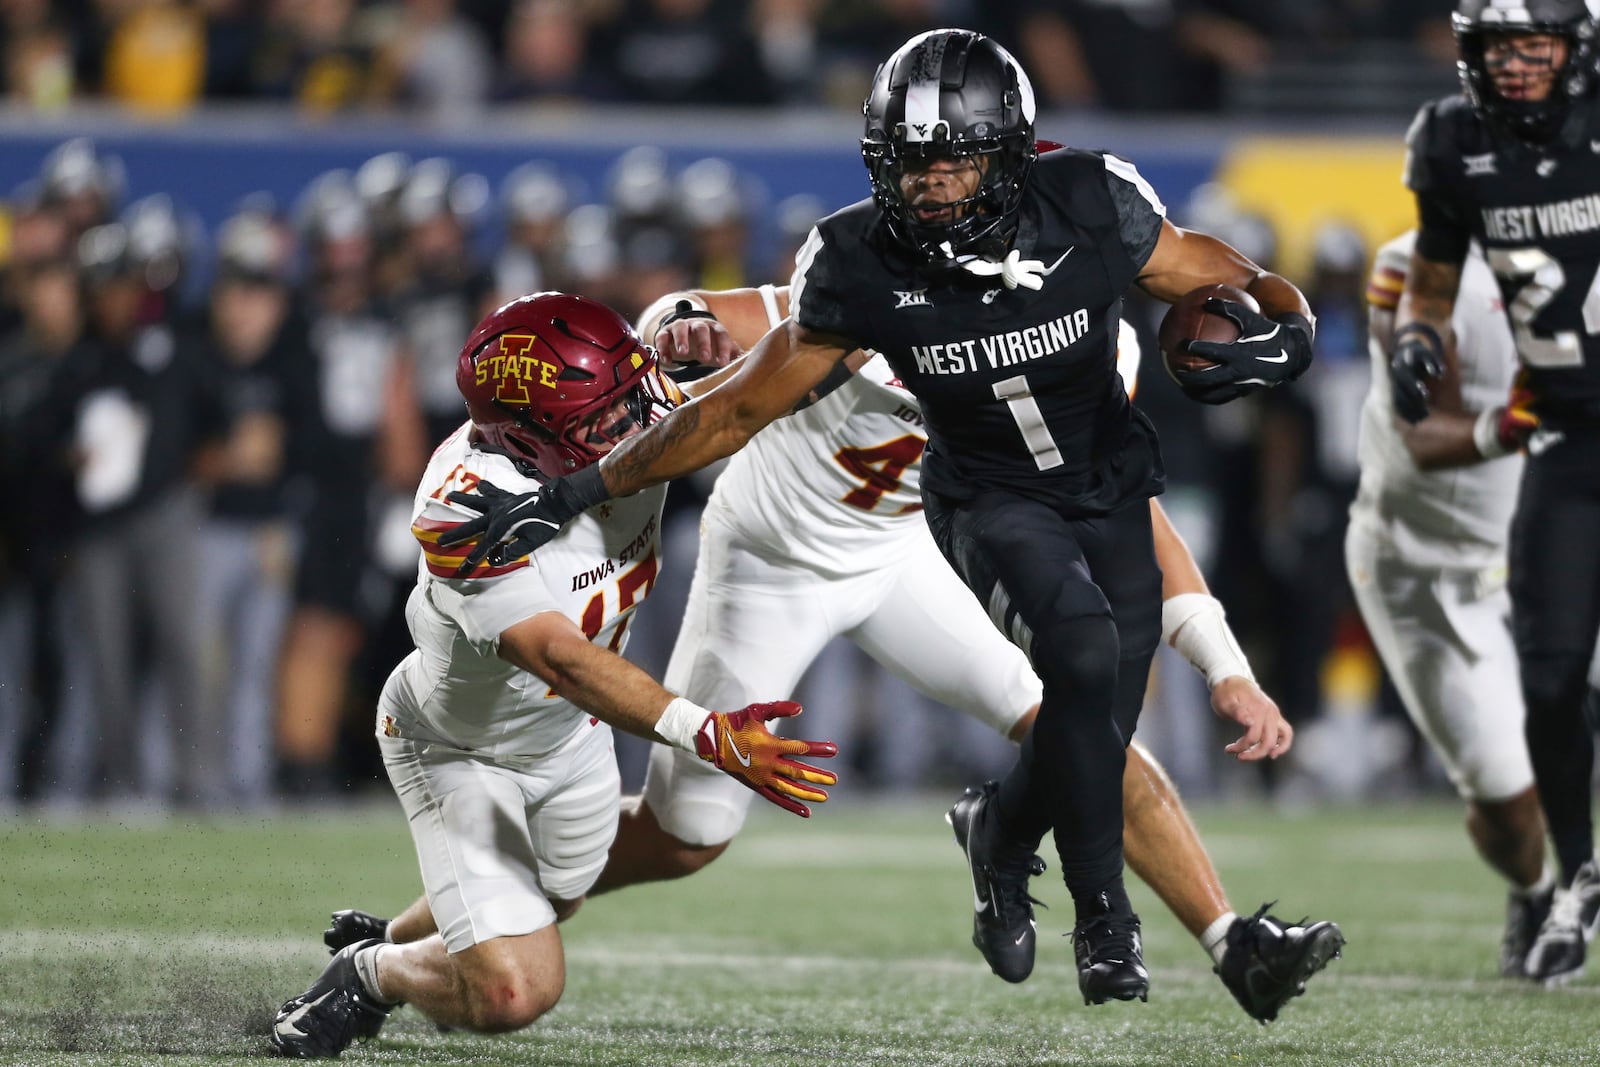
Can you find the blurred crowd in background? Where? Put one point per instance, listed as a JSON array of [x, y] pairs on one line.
[[449, 57], [206, 549]]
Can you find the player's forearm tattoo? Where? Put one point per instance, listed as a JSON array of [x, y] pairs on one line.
[[628, 469], [1432, 288]]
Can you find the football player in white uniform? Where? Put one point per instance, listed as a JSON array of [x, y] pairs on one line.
[[814, 528], [1426, 553], [495, 730]]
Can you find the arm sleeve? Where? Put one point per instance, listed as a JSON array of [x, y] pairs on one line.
[[1139, 210]]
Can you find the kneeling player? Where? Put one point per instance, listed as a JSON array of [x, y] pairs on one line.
[[496, 730]]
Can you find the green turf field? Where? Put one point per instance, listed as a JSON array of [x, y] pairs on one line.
[[841, 941]]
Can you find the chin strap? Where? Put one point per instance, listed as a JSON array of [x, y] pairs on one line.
[[1013, 270]]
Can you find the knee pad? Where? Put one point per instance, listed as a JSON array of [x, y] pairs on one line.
[[1553, 681], [1079, 656]]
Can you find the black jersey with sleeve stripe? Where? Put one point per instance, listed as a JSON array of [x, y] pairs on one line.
[[1535, 210], [1019, 387]]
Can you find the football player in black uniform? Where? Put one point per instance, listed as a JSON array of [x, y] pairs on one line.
[[992, 279], [1514, 163]]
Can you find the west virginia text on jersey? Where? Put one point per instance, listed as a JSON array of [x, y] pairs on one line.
[[1005, 349]]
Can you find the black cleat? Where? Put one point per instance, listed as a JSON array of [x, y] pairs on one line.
[[322, 1022], [1558, 953], [1525, 914], [1110, 958], [349, 926], [1002, 921], [1268, 961]]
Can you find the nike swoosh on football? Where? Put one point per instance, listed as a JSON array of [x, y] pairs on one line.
[[1281, 357], [289, 1025]]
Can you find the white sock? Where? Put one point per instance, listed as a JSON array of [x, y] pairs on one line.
[[388, 932], [1215, 938], [366, 962]]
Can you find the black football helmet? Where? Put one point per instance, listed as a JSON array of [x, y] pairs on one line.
[[950, 93], [1536, 122]]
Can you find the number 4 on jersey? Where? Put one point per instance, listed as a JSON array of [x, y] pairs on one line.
[[880, 468]]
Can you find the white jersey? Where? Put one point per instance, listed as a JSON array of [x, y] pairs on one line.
[[827, 486], [1447, 518], [453, 687]]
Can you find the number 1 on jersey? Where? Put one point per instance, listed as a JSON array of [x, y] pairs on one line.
[[1030, 420]]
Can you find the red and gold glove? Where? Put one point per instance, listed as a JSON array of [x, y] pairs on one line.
[[740, 745], [1517, 420]]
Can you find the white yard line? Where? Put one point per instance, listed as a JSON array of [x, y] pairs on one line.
[[22, 944]]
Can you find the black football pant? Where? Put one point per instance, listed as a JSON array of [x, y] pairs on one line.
[[1555, 610], [1082, 597]]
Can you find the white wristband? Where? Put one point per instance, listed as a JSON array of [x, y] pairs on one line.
[[1195, 625], [1486, 434], [680, 720]]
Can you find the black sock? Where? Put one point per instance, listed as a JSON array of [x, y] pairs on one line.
[[1109, 899], [1573, 849]]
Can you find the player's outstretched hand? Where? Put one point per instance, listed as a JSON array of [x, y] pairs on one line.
[[740, 744], [689, 338], [1267, 735], [511, 525], [1266, 352], [508, 526]]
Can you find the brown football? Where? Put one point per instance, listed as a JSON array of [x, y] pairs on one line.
[[1187, 320]]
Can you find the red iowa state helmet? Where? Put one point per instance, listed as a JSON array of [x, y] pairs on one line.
[[537, 374]]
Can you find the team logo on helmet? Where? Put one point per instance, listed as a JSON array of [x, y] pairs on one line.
[[555, 381]]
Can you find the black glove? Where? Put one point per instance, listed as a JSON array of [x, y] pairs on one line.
[[1267, 352], [509, 526], [1418, 359]]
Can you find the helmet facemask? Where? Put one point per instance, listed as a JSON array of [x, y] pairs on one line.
[[595, 433], [975, 219]]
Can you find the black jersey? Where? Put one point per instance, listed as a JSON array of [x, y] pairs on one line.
[[1019, 387], [1536, 212]]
